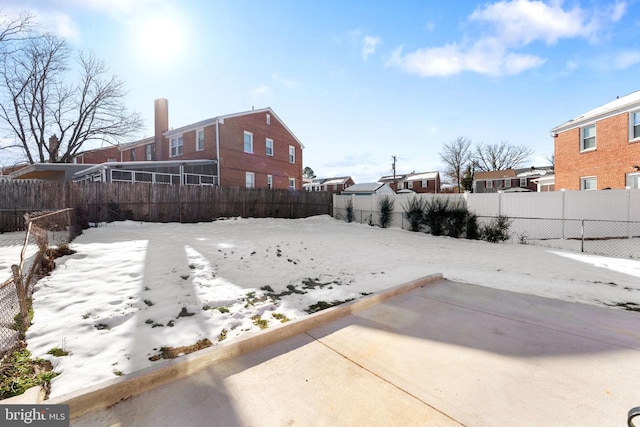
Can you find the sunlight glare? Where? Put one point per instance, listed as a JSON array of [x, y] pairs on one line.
[[161, 38]]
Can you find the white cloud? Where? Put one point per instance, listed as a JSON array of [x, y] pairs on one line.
[[520, 22], [288, 83], [369, 44], [626, 59], [507, 26], [259, 95]]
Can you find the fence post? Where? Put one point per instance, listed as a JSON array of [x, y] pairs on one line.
[[582, 235], [564, 216], [22, 298]]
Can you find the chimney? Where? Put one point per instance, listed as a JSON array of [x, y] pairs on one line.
[[161, 125], [54, 145]]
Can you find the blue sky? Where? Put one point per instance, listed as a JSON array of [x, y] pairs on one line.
[[359, 81]]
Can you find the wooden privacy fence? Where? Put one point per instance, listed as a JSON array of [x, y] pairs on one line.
[[98, 202]]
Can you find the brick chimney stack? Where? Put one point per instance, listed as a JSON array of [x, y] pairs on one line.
[[54, 145], [161, 125]]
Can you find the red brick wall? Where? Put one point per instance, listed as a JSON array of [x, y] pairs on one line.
[[235, 163], [612, 159], [100, 156]]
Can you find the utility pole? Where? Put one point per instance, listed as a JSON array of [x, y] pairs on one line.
[[393, 166]]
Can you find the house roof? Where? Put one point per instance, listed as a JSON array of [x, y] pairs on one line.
[[421, 176], [335, 181], [391, 178], [141, 165], [221, 119], [507, 173], [534, 171], [612, 108], [366, 188], [413, 176], [50, 171]]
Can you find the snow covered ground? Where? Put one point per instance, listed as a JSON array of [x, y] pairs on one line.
[[135, 288]]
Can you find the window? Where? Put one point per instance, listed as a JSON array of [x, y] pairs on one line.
[[588, 183], [269, 182], [424, 183], [292, 154], [292, 184], [507, 183], [634, 125], [269, 144], [148, 152], [588, 138], [200, 140], [268, 118], [248, 142], [633, 180], [133, 154], [523, 182], [250, 179], [400, 185], [409, 184], [176, 146], [489, 184]]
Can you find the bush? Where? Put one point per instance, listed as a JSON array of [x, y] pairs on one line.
[[414, 213], [435, 217], [472, 227], [349, 207], [385, 206], [497, 230]]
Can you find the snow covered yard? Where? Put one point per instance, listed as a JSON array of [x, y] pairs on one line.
[[134, 289]]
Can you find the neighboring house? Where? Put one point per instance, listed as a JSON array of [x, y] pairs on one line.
[[368, 189], [511, 180], [600, 148], [331, 185], [248, 149], [421, 182]]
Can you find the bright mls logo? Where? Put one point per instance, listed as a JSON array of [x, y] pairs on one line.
[[34, 415]]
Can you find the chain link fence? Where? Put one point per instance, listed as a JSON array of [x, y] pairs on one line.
[[611, 238], [33, 259]]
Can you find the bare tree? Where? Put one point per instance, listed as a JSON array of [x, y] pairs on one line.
[[456, 155], [52, 120], [12, 29], [491, 157]]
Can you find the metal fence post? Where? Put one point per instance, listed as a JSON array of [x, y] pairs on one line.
[[582, 235], [22, 298]]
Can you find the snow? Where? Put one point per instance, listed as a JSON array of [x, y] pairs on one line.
[[133, 288]]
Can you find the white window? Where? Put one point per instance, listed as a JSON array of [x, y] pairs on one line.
[[489, 184], [200, 140], [176, 146], [523, 182], [588, 138], [424, 183], [148, 152], [292, 184], [633, 180], [410, 184], [248, 142], [250, 179], [268, 118], [292, 154], [588, 183], [400, 185], [634, 125], [269, 144], [270, 181], [507, 183], [133, 154]]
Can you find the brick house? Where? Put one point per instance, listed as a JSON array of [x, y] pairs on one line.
[[600, 148], [511, 180], [252, 149], [248, 149], [420, 182], [331, 185]]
